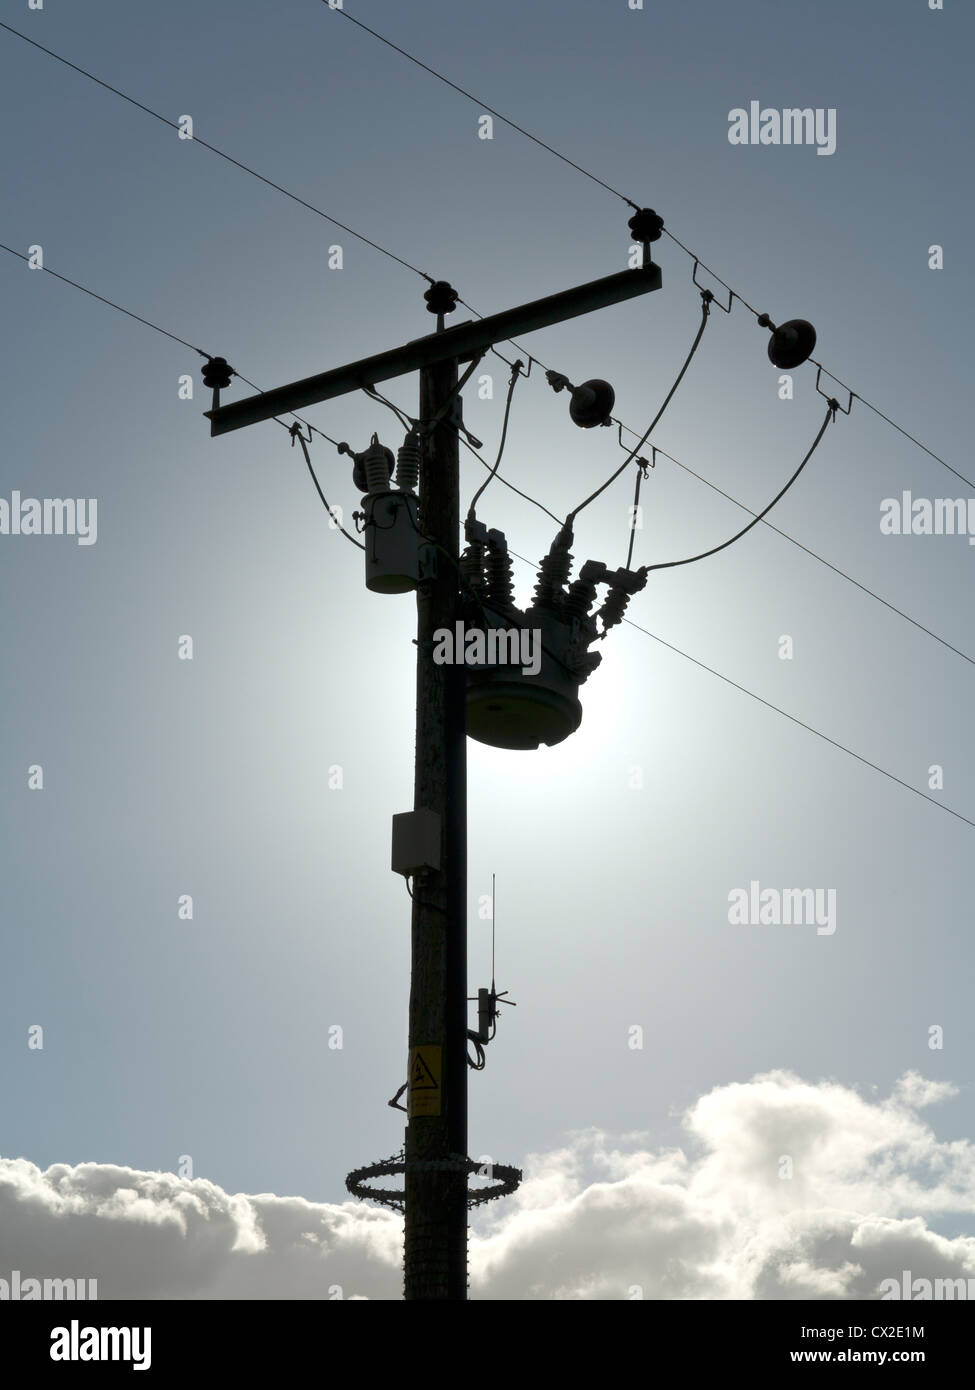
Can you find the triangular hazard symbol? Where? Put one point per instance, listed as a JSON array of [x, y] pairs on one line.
[[421, 1077]]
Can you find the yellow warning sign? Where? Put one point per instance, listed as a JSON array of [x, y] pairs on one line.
[[424, 1081]]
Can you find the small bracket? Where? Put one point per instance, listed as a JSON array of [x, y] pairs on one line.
[[726, 309], [646, 464], [526, 372], [833, 402]]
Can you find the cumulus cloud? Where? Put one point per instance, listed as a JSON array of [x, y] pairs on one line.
[[785, 1189]]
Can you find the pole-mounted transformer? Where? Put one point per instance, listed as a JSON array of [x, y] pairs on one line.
[[507, 705]]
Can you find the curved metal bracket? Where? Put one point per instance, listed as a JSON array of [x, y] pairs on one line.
[[832, 399], [704, 290]]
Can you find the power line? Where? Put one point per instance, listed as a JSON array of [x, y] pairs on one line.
[[291, 429], [405, 420], [785, 713], [470, 96], [814, 553], [515, 374], [714, 488], [173, 125], [111, 304], [671, 564], [295, 432], [721, 492], [308, 425], [501, 479], [423, 274], [175, 337], [728, 496], [510, 486], [705, 312], [795, 720], [616, 193], [893, 423]]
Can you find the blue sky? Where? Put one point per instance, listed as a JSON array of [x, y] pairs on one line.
[[209, 1038]]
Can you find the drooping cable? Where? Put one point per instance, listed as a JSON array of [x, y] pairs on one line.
[[404, 419], [515, 374], [511, 487], [705, 314], [534, 501], [401, 415], [630, 203], [641, 472], [894, 425], [415, 269], [672, 564], [412, 422], [871, 593], [295, 432]]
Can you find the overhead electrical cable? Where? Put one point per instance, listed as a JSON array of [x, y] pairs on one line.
[[803, 725], [295, 433], [470, 96], [785, 714], [705, 312], [500, 477], [515, 373], [727, 679], [672, 564], [441, 77], [197, 140], [183, 342], [111, 303], [813, 553], [423, 274]]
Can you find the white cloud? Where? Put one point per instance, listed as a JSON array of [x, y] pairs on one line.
[[594, 1219]]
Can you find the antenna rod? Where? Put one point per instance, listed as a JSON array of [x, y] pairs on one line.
[[492, 933]]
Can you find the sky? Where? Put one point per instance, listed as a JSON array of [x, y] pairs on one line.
[[186, 1063]]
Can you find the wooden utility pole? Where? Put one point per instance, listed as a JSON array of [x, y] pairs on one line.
[[436, 1161], [435, 1252]]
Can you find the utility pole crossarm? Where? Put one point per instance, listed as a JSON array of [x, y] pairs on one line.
[[460, 344]]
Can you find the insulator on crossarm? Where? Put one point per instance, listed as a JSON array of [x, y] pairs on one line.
[[500, 589], [553, 572], [408, 463]]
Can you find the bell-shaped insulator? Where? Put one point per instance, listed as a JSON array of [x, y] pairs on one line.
[[791, 344], [592, 403]]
